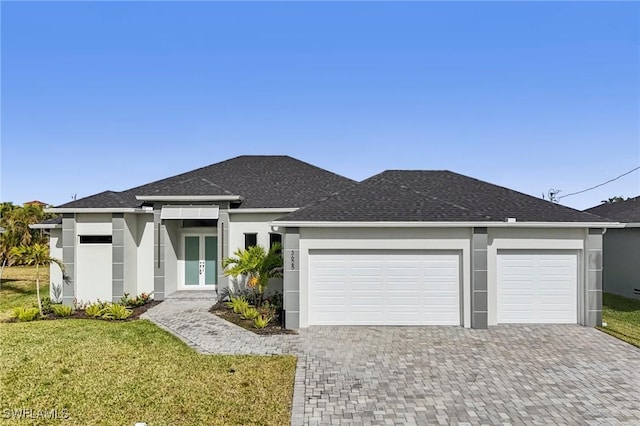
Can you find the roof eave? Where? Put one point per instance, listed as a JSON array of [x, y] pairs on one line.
[[189, 198], [323, 224], [46, 226], [95, 210]]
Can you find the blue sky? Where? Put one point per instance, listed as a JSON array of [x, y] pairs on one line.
[[110, 95]]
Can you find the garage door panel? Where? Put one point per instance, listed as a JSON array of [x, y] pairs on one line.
[[537, 287], [388, 288]]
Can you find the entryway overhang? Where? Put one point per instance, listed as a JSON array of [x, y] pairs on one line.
[[189, 212]]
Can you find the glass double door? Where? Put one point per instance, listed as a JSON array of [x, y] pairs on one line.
[[200, 260]]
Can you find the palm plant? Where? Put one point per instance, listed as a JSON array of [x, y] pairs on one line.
[[36, 255], [257, 265]]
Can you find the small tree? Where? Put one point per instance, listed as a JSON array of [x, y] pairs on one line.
[[257, 265], [38, 255]]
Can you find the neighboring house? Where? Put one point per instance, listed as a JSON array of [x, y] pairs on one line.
[[401, 248], [36, 203], [621, 259]]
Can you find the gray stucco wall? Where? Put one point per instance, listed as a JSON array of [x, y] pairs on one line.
[[621, 261], [593, 282], [479, 293], [291, 284], [69, 256], [158, 255], [117, 250]]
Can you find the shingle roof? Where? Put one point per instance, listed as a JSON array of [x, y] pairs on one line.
[[627, 211], [53, 221], [105, 199], [263, 181], [407, 196]]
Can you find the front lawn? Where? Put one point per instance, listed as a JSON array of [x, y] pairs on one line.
[[622, 316], [99, 372], [19, 288]]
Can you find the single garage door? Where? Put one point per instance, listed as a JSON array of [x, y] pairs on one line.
[[537, 287], [384, 287]]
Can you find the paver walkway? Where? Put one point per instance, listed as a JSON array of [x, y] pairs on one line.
[[436, 375]]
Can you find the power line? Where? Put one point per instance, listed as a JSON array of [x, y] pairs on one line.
[[601, 184]]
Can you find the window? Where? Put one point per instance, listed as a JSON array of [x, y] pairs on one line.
[[250, 240], [95, 239], [275, 238], [199, 223]]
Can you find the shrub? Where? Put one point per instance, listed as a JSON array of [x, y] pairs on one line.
[[238, 304], [25, 313], [250, 313], [62, 310], [267, 310], [46, 305], [261, 321], [134, 302], [275, 300], [95, 309], [115, 311]]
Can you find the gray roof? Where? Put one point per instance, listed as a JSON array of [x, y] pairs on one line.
[[412, 196], [627, 211], [53, 221], [263, 182]]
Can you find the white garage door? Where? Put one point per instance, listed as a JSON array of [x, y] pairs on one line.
[[384, 287], [537, 287]]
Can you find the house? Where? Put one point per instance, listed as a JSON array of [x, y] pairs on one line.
[[400, 248], [621, 260]]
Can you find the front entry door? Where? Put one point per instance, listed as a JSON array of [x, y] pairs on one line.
[[200, 260]]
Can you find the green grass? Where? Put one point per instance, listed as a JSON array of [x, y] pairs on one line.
[[19, 288], [622, 316], [119, 373], [107, 373]]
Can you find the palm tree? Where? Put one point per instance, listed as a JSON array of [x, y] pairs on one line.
[[258, 265], [38, 255]]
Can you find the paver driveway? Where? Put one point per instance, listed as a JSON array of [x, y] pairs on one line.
[[437, 375]]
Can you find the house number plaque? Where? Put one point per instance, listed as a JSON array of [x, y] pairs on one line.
[[293, 261]]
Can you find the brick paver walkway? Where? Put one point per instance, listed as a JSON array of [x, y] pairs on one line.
[[436, 375]]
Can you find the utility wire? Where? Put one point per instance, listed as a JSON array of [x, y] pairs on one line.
[[601, 184]]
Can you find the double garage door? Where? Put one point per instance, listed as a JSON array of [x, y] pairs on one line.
[[394, 287], [397, 287]]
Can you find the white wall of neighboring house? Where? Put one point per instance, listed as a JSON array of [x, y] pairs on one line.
[[93, 279], [242, 223], [55, 250], [144, 241]]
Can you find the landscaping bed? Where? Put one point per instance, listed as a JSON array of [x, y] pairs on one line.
[[226, 313], [81, 314]]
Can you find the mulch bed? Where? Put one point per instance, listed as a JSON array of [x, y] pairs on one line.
[[80, 314], [227, 314]]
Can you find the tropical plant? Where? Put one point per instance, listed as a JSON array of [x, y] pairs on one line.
[[95, 309], [115, 311], [134, 302], [615, 199], [38, 255], [250, 313], [238, 304], [56, 293], [261, 321], [257, 265], [62, 310], [25, 313]]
